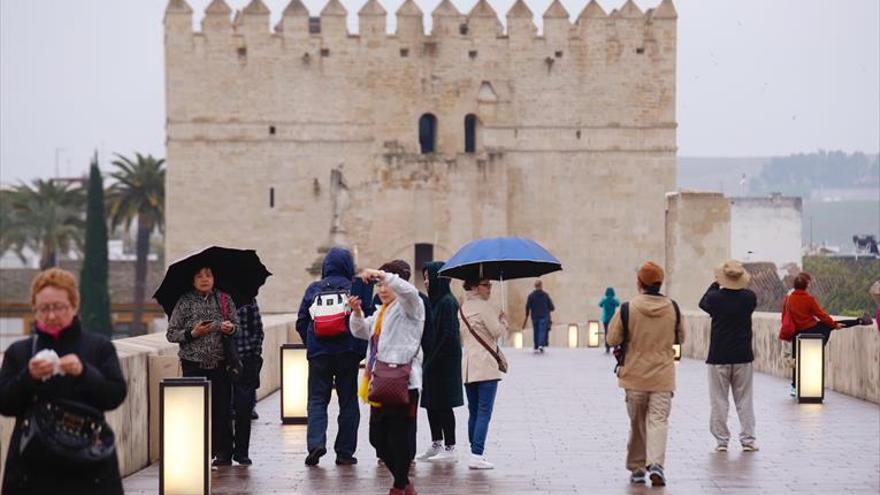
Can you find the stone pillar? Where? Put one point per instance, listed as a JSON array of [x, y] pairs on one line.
[[697, 240]]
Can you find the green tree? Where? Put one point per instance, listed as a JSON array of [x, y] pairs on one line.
[[46, 216], [841, 284], [95, 294], [138, 194]]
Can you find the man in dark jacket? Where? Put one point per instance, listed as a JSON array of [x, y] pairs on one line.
[[731, 305], [333, 362], [249, 344], [539, 305]]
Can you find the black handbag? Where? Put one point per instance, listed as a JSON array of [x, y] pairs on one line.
[[230, 352], [65, 434]]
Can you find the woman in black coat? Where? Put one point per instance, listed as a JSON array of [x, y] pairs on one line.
[[441, 373], [89, 374]]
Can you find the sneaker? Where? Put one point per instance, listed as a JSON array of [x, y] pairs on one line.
[[410, 489], [866, 320], [242, 460], [793, 391], [638, 477], [721, 448], [342, 460], [655, 472], [315, 456], [750, 447], [221, 461], [479, 462], [446, 456], [433, 450], [541, 349]]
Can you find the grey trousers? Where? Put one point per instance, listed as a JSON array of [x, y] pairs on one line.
[[724, 378]]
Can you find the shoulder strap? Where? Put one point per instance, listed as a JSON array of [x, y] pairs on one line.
[[479, 339], [223, 309], [624, 320], [677, 320]]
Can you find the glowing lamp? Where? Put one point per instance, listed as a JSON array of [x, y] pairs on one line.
[[294, 384], [185, 436], [810, 368], [593, 333], [573, 337], [517, 340]]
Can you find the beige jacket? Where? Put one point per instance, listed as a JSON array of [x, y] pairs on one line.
[[650, 360], [477, 365]]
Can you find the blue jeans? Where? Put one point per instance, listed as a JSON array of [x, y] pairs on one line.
[[541, 327], [481, 400], [326, 371]]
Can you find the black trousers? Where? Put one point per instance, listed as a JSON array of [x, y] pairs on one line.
[[442, 422], [390, 433], [820, 328], [244, 398], [221, 389]]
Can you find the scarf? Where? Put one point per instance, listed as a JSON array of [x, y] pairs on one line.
[[54, 332], [364, 389]]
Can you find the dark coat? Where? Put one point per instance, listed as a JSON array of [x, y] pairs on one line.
[[101, 386], [441, 370], [337, 274], [731, 312]]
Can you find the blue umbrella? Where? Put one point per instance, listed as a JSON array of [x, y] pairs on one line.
[[500, 258]]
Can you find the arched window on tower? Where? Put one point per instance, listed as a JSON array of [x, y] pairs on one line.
[[470, 133], [428, 133]]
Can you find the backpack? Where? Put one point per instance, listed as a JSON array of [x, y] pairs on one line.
[[329, 312], [620, 350]]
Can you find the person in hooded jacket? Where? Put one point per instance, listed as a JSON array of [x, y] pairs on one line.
[[89, 374], [333, 362], [441, 372], [648, 372], [609, 305]]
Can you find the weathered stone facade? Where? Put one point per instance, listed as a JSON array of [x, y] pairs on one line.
[[575, 137]]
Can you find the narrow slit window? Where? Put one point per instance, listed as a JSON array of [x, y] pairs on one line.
[[271, 197], [428, 133]]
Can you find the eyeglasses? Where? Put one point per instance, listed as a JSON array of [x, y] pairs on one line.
[[58, 309]]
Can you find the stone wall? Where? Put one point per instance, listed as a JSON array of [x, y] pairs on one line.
[[852, 356], [575, 140], [697, 240], [145, 361]]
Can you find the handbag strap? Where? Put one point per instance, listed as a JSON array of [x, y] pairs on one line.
[[476, 336], [223, 310]]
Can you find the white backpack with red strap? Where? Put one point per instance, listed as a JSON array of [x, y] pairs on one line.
[[329, 312]]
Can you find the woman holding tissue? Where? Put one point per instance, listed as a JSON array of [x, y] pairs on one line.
[[60, 361]]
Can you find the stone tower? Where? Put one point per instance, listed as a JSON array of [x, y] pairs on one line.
[[567, 137]]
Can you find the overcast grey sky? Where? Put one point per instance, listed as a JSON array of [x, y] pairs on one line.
[[755, 77]]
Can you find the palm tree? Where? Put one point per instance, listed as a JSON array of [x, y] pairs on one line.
[[138, 194], [46, 216]]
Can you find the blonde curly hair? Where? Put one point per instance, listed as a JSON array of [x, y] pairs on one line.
[[59, 279]]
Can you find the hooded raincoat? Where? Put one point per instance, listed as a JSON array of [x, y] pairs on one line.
[[337, 273], [442, 368]]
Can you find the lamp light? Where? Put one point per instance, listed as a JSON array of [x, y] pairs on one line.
[[573, 335], [593, 330], [185, 436], [294, 384], [810, 368]]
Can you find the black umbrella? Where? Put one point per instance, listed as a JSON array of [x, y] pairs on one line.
[[238, 272]]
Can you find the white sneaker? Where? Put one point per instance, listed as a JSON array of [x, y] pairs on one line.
[[432, 451], [447, 456], [479, 462]]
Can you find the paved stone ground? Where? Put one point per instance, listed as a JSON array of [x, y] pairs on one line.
[[560, 426]]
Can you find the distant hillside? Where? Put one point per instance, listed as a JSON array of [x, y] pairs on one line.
[[718, 174]]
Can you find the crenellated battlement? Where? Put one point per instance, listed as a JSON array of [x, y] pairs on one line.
[[481, 23]]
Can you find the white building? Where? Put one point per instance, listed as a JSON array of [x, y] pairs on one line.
[[766, 229]]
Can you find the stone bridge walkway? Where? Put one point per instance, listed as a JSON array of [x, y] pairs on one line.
[[560, 426]]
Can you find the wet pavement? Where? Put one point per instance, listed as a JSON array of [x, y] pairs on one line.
[[560, 426]]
